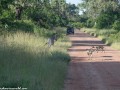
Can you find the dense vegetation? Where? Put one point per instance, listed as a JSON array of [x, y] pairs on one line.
[[108, 36], [44, 13], [25, 59], [26, 62], [102, 17], [101, 13], [25, 25]]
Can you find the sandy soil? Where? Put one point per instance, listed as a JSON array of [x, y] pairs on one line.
[[102, 72]]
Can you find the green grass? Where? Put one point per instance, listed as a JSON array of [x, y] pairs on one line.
[[108, 36], [116, 45], [26, 62]]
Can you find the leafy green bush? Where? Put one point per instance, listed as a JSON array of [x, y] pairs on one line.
[[115, 37], [47, 18], [90, 23], [116, 25], [101, 22], [78, 25], [104, 21]]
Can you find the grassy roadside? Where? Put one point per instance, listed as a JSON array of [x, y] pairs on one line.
[[26, 62], [108, 36]]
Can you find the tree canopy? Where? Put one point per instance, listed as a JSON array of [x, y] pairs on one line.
[[45, 13], [103, 12]]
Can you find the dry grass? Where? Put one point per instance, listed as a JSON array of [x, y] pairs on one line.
[[26, 62], [108, 36]]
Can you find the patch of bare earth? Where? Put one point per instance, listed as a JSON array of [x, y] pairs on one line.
[[102, 72]]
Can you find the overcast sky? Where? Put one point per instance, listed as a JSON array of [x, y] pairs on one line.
[[73, 1]]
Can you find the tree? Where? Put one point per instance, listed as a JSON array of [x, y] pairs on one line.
[[95, 9], [45, 13], [72, 12]]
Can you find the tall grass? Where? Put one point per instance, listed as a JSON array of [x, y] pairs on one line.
[[25, 61], [108, 36]]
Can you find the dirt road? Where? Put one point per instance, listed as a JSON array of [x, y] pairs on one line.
[[102, 72]]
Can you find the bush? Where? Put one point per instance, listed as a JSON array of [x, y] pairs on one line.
[[78, 25], [104, 21], [90, 23], [115, 37], [116, 25]]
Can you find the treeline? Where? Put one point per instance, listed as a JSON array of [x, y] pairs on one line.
[[44, 13], [101, 14]]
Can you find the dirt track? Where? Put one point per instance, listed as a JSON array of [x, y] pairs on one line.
[[100, 73]]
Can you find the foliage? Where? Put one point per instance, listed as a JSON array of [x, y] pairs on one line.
[[25, 59], [103, 21], [95, 7], [116, 25], [90, 23], [44, 13], [78, 25], [115, 37], [103, 12], [106, 19], [108, 36], [72, 10], [27, 62]]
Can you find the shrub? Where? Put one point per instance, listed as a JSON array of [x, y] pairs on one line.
[[116, 25], [90, 23], [78, 25], [104, 21], [115, 37]]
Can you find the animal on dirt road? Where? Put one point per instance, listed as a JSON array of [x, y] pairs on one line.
[[90, 52], [100, 48]]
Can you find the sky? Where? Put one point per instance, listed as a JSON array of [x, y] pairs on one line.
[[73, 1]]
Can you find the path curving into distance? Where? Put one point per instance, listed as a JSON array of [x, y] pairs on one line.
[[100, 73]]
